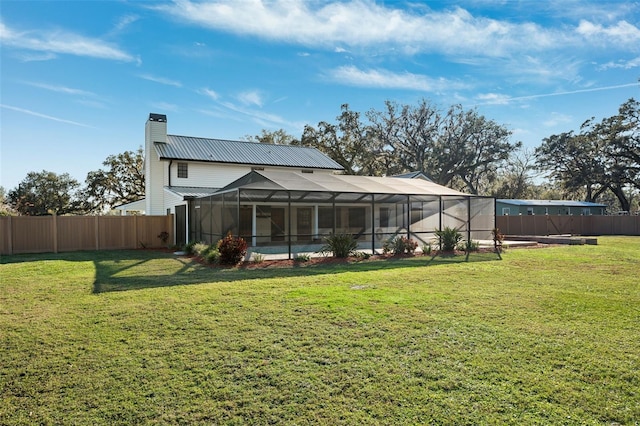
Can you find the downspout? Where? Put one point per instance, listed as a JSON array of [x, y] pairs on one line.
[[373, 228], [289, 221], [169, 180], [408, 216], [468, 223]]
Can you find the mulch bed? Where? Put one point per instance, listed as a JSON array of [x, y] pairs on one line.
[[329, 260]]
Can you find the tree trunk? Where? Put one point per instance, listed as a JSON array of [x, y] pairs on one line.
[[618, 191]]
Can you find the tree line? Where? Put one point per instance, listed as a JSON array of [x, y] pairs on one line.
[[45, 192], [454, 147]]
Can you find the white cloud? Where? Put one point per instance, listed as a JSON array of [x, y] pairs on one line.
[[366, 24], [621, 33], [251, 97], [264, 119], [495, 98], [62, 42], [385, 79], [161, 80], [124, 22], [209, 93], [45, 116], [36, 57], [60, 89], [557, 119], [164, 106], [627, 65]]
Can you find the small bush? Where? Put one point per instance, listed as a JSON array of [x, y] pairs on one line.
[[498, 239], [200, 249], [341, 245], [212, 256], [303, 257], [399, 245], [448, 238], [188, 248], [257, 257], [232, 249], [469, 245], [427, 249], [164, 237], [360, 255]]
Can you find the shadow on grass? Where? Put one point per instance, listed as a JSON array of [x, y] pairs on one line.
[[124, 270], [110, 276]]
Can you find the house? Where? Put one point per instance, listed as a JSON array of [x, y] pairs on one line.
[[283, 198], [182, 168], [414, 175], [509, 207]]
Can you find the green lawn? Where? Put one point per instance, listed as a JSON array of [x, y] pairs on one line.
[[544, 336]]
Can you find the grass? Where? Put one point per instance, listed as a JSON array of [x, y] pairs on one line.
[[547, 336]]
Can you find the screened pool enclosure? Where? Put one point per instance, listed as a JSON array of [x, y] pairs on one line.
[[290, 212]]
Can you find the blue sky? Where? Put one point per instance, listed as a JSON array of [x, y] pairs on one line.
[[79, 78]]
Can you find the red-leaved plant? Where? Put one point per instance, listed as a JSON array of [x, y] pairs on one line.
[[232, 249]]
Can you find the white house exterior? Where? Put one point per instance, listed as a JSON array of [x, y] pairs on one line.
[[182, 168]]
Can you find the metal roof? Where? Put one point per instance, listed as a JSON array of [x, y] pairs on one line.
[[550, 203], [326, 182], [242, 152], [191, 191], [414, 175]]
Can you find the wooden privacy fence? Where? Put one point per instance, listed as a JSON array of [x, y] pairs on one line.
[[42, 234], [575, 225]]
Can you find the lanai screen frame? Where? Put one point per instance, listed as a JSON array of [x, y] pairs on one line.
[[415, 216]]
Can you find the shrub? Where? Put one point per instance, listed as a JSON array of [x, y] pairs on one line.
[[498, 239], [212, 256], [360, 255], [426, 249], [232, 249], [473, 245], [164, 237], [257, 257], [188, 248], [200, 249], [341, 245], [399, 245], [448, 238], [469, 245], [303, 257]]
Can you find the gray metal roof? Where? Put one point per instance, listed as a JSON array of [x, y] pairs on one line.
[[191, 191], [414, 175], [242, 152], [549, 203], [326, 182]]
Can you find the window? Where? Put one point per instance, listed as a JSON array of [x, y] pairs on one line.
[[506, 211], [183, 171], [385, 214], [325, 217], [357, 217], [530, 211]]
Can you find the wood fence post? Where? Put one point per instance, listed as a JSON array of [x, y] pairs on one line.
[[97, 232], [10, 236], [54, 221], [135, 230]]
